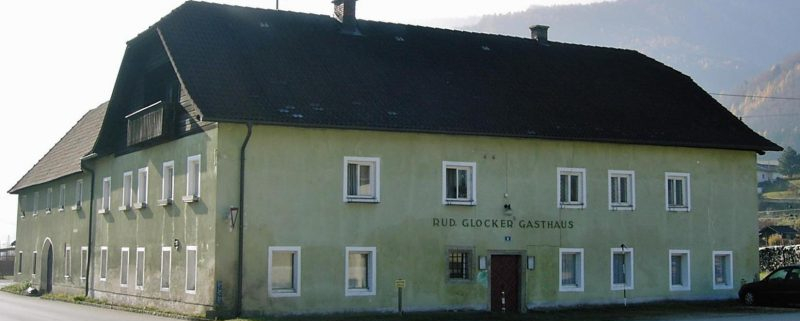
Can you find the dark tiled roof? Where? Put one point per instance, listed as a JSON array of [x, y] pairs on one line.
[[64, 158], [275, 67], [780, 229]]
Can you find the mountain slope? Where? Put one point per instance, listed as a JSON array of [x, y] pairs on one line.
[[719, 43]]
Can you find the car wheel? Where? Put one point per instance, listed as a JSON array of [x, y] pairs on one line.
[[749, 298]]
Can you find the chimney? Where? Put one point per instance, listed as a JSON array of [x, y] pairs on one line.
[[539, 33], [345, 12]]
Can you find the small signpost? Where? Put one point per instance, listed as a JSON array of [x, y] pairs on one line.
[[400, 284]]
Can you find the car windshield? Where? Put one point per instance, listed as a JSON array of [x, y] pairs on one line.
[[778, 275]]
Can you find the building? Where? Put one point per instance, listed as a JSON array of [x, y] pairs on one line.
[[768, 171], [787, 234], [256, 161]]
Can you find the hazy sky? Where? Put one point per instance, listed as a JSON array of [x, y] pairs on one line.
[[58, 59]]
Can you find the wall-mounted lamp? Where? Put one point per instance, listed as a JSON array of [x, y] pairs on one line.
[[507, 209], [176, 244], [233, 213], [531, 262], [482, 262]]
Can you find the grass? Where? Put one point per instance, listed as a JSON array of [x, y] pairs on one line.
[[782, 195], [658, 310]]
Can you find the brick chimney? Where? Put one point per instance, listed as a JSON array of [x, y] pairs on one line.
[[345, 12], [539, 33]]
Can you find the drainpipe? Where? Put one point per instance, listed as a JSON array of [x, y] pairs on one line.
[[91, 223], [239, 276]]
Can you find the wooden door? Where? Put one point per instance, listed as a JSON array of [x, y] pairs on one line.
[[505, 283]]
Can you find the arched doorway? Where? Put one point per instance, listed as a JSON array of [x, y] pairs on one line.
[[46, 285]]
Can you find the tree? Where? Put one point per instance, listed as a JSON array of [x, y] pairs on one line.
[[789, 163]]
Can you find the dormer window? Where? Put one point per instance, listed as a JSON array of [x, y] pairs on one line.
[[148, 124]]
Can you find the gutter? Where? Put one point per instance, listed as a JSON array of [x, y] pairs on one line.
[[91, 223], [240, 267]]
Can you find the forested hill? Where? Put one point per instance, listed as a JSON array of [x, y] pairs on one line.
[[719, 43]]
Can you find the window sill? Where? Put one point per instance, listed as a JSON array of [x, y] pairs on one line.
[[460, 202], [679, 288], [190, 198], [353, 292], [723, 287], [75, 207], [361, 200], [61, 210], [572, 205], [48, 211], [139, 206], [678, 209], [284, 294], [620, 287], [166, 202], [628, 208], [567, 288], [124, 208], [102, 211]]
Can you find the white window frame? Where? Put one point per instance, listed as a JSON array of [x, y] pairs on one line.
[[127, 191], [84, 261], [579, 274], [295, 271], [62, 197], [78, 195], [142, 189], [168, 270], [371, 271], [124, 261], [144, 269], [582, 199], [375, 179], [167, 194], [618, 206], [67, 261], [105, 201], [191, 248], [686, 272], [629, 269], [191, 177], [48, 202], [103, 263], [728, 255], [472, 188], [687, 192]]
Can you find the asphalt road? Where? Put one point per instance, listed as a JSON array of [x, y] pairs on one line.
[[20, 308]]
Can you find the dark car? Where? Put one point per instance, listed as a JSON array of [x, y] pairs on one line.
[[780, 286]]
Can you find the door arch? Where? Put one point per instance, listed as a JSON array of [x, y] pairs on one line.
[[46, 281]]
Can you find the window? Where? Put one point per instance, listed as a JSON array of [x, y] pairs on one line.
[[283, 276], [571, 187], [106, 200], [459, 185], [192, 179], [67, 261], [35, 255], [191, 269], [123, 266], [48, 201], [723, 270], [359, 271], [103, 263], [167, 183], [127, 191], [621, 190], [139, 268], [571, 267], [19, 262], [141, 188], [84, 261], [23, 205], [147, 124], [166, 265], [678, 190], [679, 277], [622, 268], [362, 179], [459, 264], [78, 194], [61, 197], [35, 203]]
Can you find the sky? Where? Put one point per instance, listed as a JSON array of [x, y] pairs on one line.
[[58, 59]]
